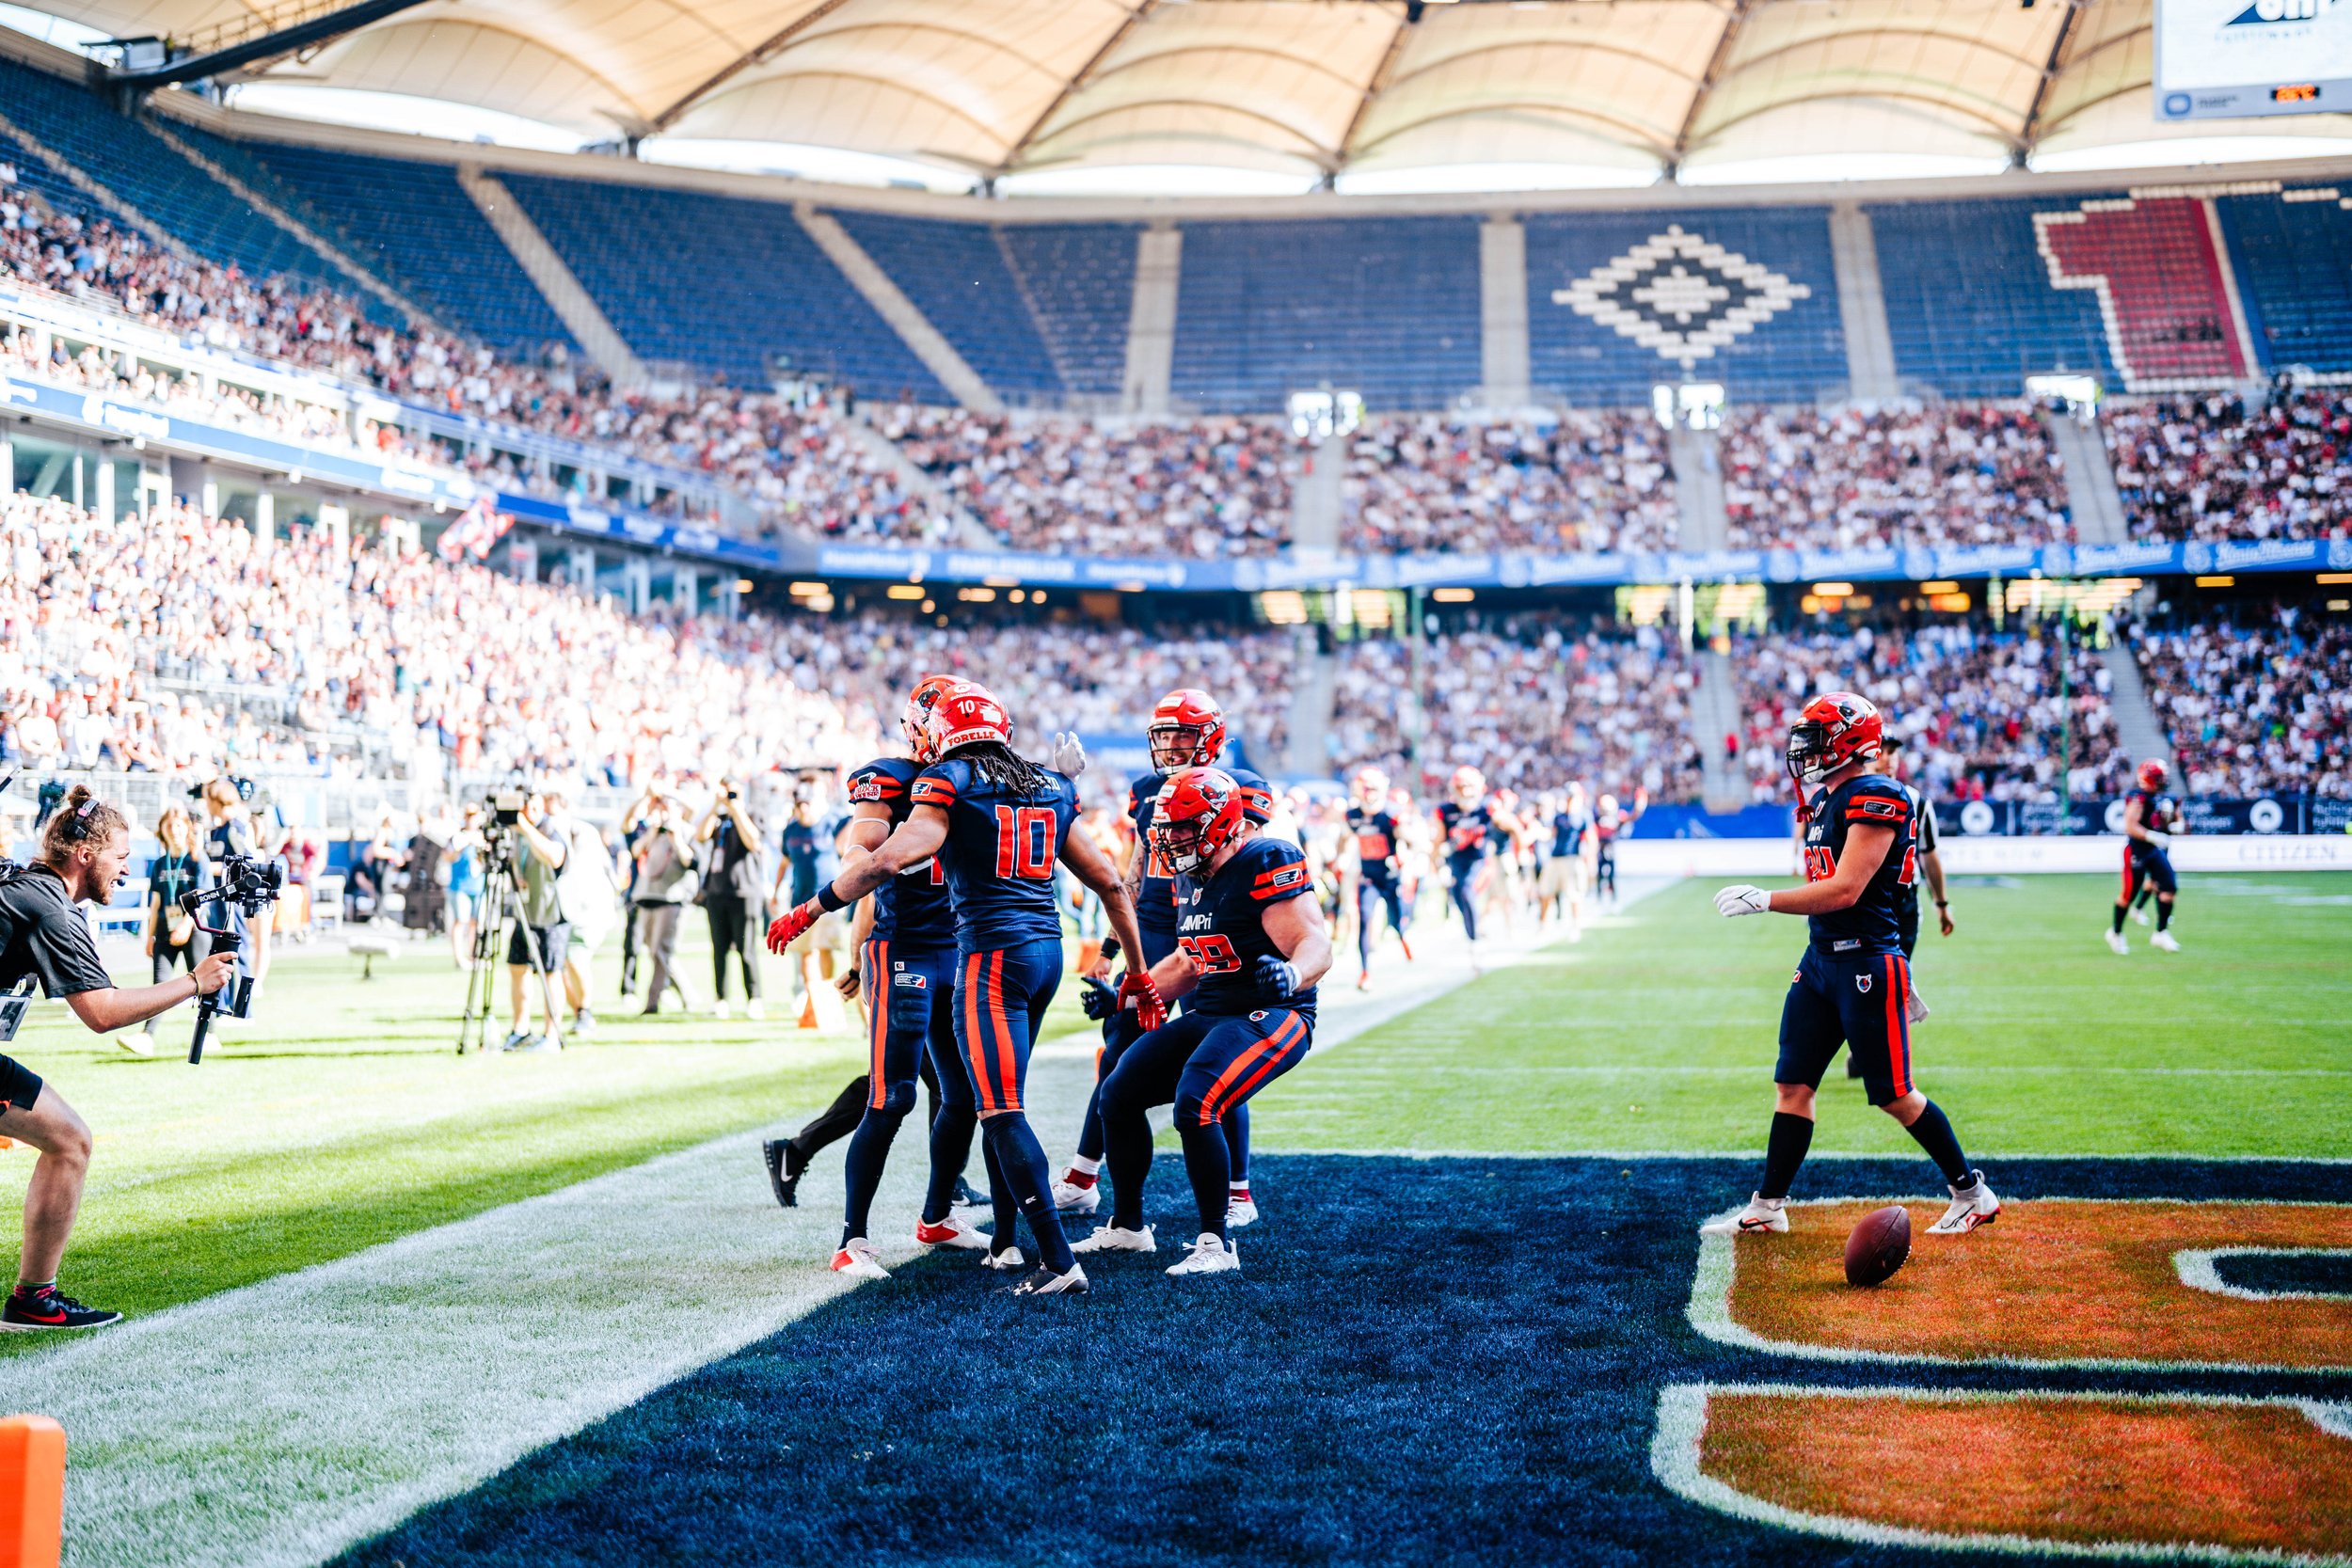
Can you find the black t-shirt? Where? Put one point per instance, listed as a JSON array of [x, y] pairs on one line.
[[47, 937]]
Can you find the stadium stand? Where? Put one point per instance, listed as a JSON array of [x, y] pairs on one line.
[[721, 283], [1532, 701], [2290, 248], [1618, 302], [1982, 708], [1387, 307], [412, 222], [1588, 481], [1864, 479], [1079, 281], [2215, 467], [960, 277], [2257, 702]]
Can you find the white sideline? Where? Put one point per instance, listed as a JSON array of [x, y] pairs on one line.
[[280, 1423]]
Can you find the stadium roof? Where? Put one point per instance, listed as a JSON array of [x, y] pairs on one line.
[[1117, 95]]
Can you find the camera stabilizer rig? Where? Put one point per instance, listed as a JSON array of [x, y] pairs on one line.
[[248, 887], [502, 900]]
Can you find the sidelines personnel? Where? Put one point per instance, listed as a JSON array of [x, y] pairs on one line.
[[85, 853], [2147, 815], [1251, 947], [1852, 986], [999, 823]]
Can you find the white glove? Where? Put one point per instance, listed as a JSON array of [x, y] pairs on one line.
[[1070, 753], [1734, 902], [2161, 840]]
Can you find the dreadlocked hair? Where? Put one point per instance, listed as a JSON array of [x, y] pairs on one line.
[[80, 818], [1000, 766]]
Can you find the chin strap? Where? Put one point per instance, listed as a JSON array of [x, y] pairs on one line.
[[1796, 776]]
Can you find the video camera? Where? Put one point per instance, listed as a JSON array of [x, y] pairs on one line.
[[247, 886]]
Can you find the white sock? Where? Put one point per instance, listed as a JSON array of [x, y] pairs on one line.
[[1240, 1186], [1085, 1166]]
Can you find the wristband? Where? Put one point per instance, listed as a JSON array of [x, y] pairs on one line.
[[1110, 949], [1943, 904], [829, 900]]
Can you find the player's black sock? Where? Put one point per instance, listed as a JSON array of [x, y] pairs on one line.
[[1022, 1159], [951, 1149], [2118, 920], [1120, 1031], [1933, 1129], [1237, 1143], [1128, 1131], [1002, 1209], [1784, 1151], [869, 1146], [1205, 1163], [2164, 913]]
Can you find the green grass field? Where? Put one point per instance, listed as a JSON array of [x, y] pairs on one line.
[[343, 1118]]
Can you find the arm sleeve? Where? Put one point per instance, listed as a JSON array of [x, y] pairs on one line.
[[1280, 874], [1927, 827]]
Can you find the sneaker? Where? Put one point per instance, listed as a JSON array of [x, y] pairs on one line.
[[1005, 1261], [516, 1040], [2164, 941], [2140, 916], [1914, 1006], [583, 1022], [2116, 943], [1110, 1238], [754, 1009], [46, 1309], [784, 1163], [1073, 1198], [1972, 1205], [1240, 1209], [1045, 1282], [535, 1045], [138, 1043], [949, 1232], [1210, 1254], [965, 1198], [1363, 980], [856, 1259], [1761, 1215], [722, 1009]]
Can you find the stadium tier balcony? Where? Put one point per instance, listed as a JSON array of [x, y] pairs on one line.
[[2218, 467], [2257, 704], [2290, 246]]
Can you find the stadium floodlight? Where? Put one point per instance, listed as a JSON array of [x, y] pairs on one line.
[[1319, 415]]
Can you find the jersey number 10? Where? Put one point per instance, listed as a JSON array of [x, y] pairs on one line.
[[1024, 843]]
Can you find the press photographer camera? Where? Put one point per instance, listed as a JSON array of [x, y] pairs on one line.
[[246, 887], [84, 857]]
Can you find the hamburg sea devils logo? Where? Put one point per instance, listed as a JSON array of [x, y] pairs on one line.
[[1681, 296]]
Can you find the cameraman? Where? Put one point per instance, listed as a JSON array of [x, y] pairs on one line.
[[542, 843], [85, 850], [734, 881]]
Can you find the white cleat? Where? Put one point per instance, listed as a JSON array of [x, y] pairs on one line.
[[857, 1260], [954, 1231], [1005, 1261], [2164, 941], [2140, 916], [1110, 1238], [1914, 1006], [1071, 1198], [1762, 1214], [2116, 943], [1972, 1206], [1208, 1255], [1240, 1212]]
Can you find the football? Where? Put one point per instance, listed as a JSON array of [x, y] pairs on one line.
[[1878, 1245]]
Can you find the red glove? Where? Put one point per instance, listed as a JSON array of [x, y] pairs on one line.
[[1151, 1011], [792, 925]]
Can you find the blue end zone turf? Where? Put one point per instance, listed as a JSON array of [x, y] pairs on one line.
[[1426, 1361]]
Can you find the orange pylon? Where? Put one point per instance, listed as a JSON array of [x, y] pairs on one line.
[[32, 1492]]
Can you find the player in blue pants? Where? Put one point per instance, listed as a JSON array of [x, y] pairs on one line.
[[999, 824]]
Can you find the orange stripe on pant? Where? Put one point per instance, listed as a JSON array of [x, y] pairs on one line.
[[878, 1018], [975, 1044], [1897, 1026], [1008, 1071], [1266, 1070], [1212, 1103]]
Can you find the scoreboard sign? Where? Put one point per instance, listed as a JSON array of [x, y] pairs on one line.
[[2231, 60]]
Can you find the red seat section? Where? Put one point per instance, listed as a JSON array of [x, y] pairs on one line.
[[2164, 291]]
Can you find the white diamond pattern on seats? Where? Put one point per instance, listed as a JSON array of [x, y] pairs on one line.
[[1681, 296]]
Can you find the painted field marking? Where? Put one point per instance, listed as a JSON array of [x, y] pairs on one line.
[[1712, 1313], [1678, 1460], [2195, 1267]]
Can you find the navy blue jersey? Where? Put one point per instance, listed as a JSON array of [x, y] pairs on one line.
[[1376, 841], [2155, 812], [912, 908], [1467, 830], [1220, 926], [1873, 925], [1155, 899], [1000, 853], [1569, 829]]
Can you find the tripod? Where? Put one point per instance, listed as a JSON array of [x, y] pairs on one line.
[[501, 898]]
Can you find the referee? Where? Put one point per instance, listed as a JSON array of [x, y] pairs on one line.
[[84, 849]]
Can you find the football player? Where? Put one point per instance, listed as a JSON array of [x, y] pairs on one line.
[[1612, 822], [1187, 730], [2150, 820], [1466, 822], [1568, 870], [1853, 984], [999, 824], [1251, 946], [1372, 821]]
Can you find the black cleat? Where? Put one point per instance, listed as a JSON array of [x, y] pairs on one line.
[[1043, 1281], [785, 1163], [46, 1309]]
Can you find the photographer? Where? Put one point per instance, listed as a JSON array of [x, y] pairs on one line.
[[734, 882], [541, 843], [171, 937], [663, 885], [85, 850]]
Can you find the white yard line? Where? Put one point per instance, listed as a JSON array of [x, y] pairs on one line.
[[282, 1422]]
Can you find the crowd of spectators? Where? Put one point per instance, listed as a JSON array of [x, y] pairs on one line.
[[1532, 701], [1892, 477], [1984, 714], [1588, 481], [2216, 466], [2257, 704], [1205, 488]]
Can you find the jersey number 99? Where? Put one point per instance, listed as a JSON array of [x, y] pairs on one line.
[[1024, 843]]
